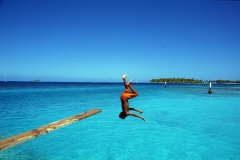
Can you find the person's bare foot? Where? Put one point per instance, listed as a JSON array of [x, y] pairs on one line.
[[143, 119], [140, 111], [129, 82], [124, 76]]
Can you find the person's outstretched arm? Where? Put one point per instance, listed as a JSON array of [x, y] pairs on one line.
[[135, 115], [135, 109]]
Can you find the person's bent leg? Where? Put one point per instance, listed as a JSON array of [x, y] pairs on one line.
[[124, 81], [133, 90]]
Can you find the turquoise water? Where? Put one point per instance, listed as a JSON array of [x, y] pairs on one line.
[[183, 121]]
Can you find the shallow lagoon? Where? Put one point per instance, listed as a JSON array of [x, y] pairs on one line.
[[183, 121]]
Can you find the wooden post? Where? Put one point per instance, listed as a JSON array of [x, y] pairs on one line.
[[11, 141], [210, 88]]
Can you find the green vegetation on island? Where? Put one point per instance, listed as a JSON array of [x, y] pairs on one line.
[[176, 80], [189, 80], [227, 81]]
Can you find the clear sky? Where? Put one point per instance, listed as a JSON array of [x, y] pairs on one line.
[[100, 40]]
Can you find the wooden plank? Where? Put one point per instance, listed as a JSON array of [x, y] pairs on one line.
[[12, 141]]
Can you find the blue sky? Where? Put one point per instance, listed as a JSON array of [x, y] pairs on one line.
[[100, 40]]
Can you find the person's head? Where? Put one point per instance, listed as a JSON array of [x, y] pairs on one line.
[[122, 115]]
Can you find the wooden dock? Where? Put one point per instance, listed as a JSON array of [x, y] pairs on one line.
[[12, 141]]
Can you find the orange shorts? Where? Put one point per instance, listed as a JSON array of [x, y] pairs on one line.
[[127, 95]]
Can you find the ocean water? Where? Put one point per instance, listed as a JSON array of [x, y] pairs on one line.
[[183, 121]]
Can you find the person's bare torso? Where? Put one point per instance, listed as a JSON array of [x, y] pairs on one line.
[[125, 105]]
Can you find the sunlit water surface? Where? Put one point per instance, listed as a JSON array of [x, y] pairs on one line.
[[183, 121]]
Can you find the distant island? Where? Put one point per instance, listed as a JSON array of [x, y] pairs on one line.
[[36, 80], [189, 80]]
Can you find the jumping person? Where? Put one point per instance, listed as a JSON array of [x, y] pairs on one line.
[[124, 99]]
